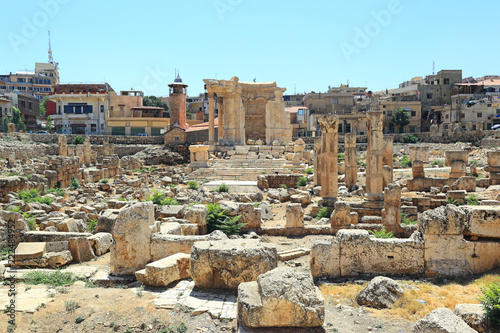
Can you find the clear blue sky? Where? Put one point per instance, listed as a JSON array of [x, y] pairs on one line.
[[313, 44]]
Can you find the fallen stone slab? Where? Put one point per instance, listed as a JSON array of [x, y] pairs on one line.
[[473, 315], [33, 250], [292, 254], [443, 321], [53, 236], [80, 249], [227, 263], [101, 242], [294, 299], [380, 293], [163, 272]]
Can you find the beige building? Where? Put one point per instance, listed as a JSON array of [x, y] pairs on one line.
[[247, 111], [38, 82], [414, 108]]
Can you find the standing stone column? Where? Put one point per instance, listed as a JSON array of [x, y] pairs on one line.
[[63, 145], [12, 158], [457, 160], [387, 160], [317, 170], [351, 160], [211, 119], [494, 167], [328, 158], [391, 214], [220, 125], [87, 152], [374, 154]]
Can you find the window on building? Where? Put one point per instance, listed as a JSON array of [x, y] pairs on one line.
[[445, 127], [78, 109], [30, 106], [474, 127], [479, 114], [348, 128], [340, 128], [462, 115], [383, 106], [335, 101], [300, 112], [391, 129], [447, 116], [412, 129], [446, 81], [122, 107], [498, 111], [22, 104], [414, 113], [21, 79], [429, 96], [176, 138], [102, 108], [3, 87], [464, 128], [93, 128]]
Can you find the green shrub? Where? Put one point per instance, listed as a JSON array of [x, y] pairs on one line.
[[283, 186], [33, 196], [309, 171], [74, 184], [79, 319], [382, 233], [491, 302], [71, 306], [406, 220], [222, 188], [302, 181], [361, 163], [217, 219], [59, 191], [91, 224], [160, 199], [13, 173], [439, 163], [452, 201], [410, 139], [472, 200], [474, 162], [405, 162], [340, 156], [192, 185], [152, 169], [324, 212], [78, 140], [104, 181], [55, 279]]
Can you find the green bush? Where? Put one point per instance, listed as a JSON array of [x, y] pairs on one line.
[[59, 191], [410, 139], [302, 181], [406, 220], [160, 199], [491, 302], [340, 156], [360, 163], [192, 185], [472, 200], [439, 163], [152, 169], [222, 188], [104, 181], [452, 201], [309, 171], [91, 224], [79, 319], [33, 196], [13, 173], [324, 212], [382, 233], [405, 162], [283, 186], [55, 279], [217, 219], [78, 140], [74, 184]]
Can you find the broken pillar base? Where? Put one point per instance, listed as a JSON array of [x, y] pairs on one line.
[[327, 202], [374, 197]]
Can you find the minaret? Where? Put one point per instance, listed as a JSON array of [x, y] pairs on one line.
[[178, 103]]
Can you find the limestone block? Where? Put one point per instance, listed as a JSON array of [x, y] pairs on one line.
[[382, 292], [294, 216], [171, 228], [443, 321], [131, 250], [30, 250], [445, 220], [197, 214], [227, 263], [341, 215], [250, 215], [172, 211], [68, 225], [473, 315], [325, 258], [482, 221], [295, 300], [80, 249], [163, 272], [106, 222], [58, 259], [101, 242], [456, 155]]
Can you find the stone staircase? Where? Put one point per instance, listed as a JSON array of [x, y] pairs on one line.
[[239, 169]]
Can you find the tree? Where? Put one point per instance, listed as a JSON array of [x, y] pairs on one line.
[[400, 118], [48, 125], [5, 124], [43, 105], [154, 101], [17, 119]]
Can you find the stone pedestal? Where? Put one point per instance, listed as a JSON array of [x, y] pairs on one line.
[[327, 156], [11, 128], [374, 156], [12, 158], [391, 214], [87, 152], [418, 169], [63, 145], [294, 216], [107, 148], [494, 167], [341, 215], [457, 160], [351, 160], [199, 156]]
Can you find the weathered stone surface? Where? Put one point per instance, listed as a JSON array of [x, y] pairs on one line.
[[294, 216], [58, 259], [26, 251], [197, 214], [53, 236], [106, 221], [473, 315], [482, 221], [445, 220], [101, 242], [380, 293], [80, 249], [131, 250], [227, 263], [294, 299], [163, 272], [172, 211], [441, 321]]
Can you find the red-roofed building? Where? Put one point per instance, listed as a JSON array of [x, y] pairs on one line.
[[195, 134]]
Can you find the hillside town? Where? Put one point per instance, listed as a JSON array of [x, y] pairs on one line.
[[249, 209]]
